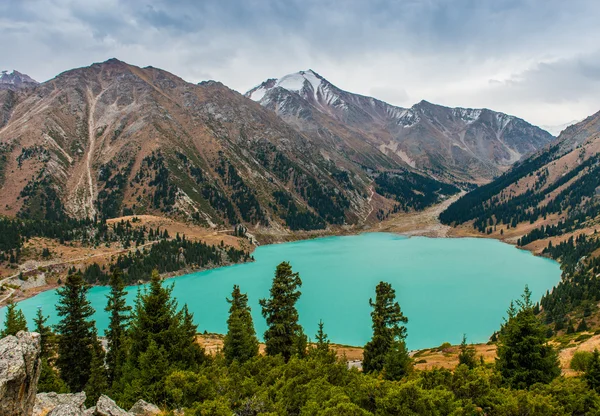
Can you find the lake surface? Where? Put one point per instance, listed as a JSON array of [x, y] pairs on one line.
[[446, 287]]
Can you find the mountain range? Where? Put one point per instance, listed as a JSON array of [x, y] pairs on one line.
[[454, 144], [114, 139]]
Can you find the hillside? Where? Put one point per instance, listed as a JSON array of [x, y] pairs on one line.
[[113, 139], [457, 144]]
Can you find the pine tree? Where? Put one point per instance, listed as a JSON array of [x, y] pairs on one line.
[[14, 321], [387, 328], [582, 326], [47, 337], [284, 334], [524, 356], [49, 379], [240, 342], [157, 329], [467, 354], [592, 372], [322, 344], [115, 335], [397, 362], [98, 381], [77, 334]]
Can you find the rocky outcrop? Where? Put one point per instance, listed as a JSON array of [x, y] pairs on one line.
[[20, 367], [142, 408], [66, 410], [47, 403], [107, 407]]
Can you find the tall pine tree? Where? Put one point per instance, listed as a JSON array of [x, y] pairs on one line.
[[388, 329], [14, 321], [524, 355], [119, 314], [158, 332], [240, 342], [49, 379], [284, 334], [77, 333]]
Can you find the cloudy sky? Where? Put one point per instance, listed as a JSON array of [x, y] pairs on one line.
[[538, 59]]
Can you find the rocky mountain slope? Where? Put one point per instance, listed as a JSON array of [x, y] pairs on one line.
[[113, 139], [551, 193], [15, 80], [458, 144]]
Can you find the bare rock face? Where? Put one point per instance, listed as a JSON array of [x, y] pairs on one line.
[[107, 407], [48, 402], [142, 408], [20, 367], [65, 410]]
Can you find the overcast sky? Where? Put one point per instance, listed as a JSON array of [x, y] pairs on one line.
[[537, 59]]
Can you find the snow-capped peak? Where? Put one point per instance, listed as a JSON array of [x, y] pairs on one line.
[[296, 82], [15, 79]]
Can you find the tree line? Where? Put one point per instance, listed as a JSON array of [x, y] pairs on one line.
[[152, 353]]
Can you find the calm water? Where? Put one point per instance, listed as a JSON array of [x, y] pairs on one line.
[[446, 287]]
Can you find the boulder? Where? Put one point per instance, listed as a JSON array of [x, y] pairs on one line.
[[142, 408], [65, 410], [20, 367], [47, 402], [107, 407]]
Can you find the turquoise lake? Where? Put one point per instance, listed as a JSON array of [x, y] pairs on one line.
[[446, 287]]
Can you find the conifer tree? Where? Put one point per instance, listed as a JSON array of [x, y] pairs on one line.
[[397, 362], [322, 344], [119, 318], [284, 334], [77, 334], [49, 379], [158, 331], [46, 335], [592, 372], [14, 321], [582, 326], [467, 354], [240, 342], [97, 383], [524, 356], [388, 328]]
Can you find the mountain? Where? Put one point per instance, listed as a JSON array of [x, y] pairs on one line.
[[15, 80], [550, 194], [114, 139], [456, 144]]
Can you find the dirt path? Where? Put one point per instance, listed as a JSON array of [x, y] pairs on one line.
[[92, 143], [425, 223]]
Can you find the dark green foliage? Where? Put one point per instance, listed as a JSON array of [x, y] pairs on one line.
[[284, 334], [397, 363], [582, 326], [295, 218], [524, 355], [466, 356], [14, 321], [240, 343], [161, 337], [165, 190], [388, 329], [119, 314], [412, 190], [592, 373], [110, 198], [97, 383], [49, 379], [77, 333], [166, 256]]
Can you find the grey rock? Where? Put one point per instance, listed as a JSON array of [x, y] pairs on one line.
[[46, 402], [90, 412], [20, 367], [143, 408], [107, 407], [65, 410]]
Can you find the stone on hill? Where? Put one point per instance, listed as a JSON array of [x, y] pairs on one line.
[[20, 367], [66, 410], [47, 402], [107, 407], [142, 408]]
